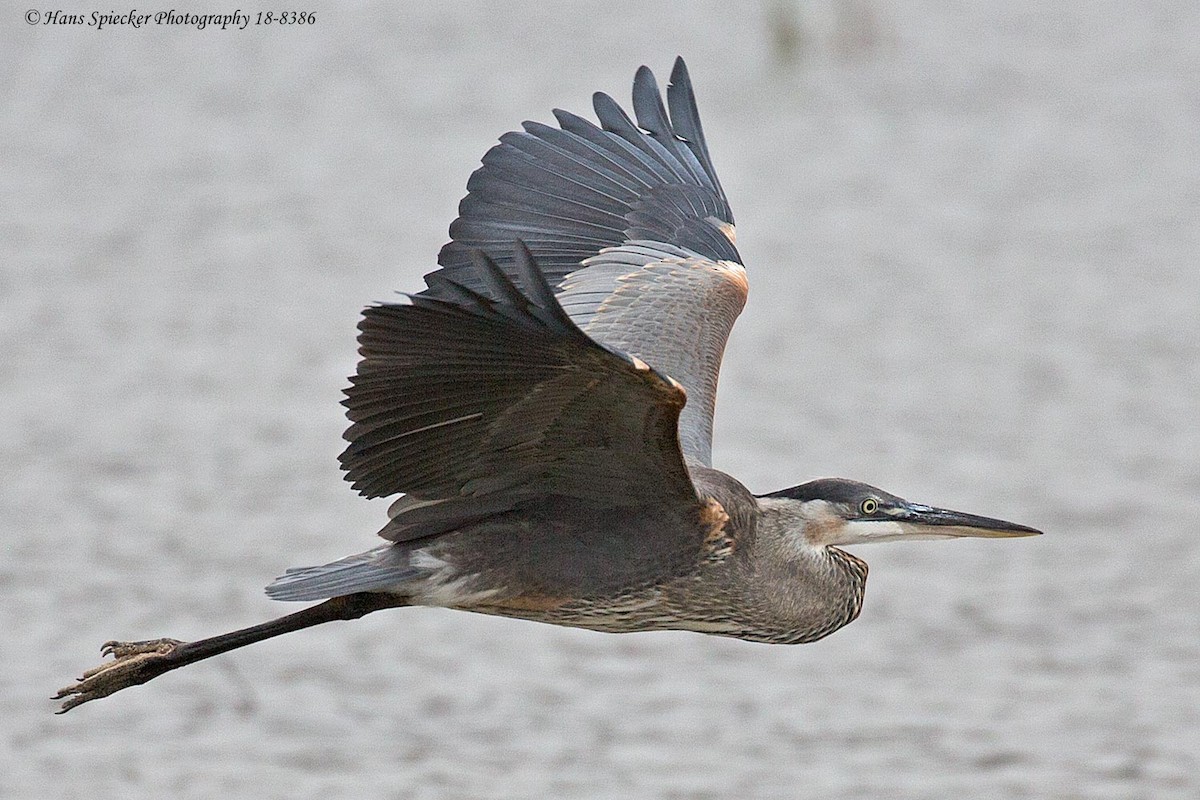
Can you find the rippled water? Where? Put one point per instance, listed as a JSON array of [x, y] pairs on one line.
[[971, 234]]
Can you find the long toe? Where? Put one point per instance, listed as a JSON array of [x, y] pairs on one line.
[[125, 649]]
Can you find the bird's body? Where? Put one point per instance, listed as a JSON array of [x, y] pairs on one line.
[[570, 564], [545, 406]]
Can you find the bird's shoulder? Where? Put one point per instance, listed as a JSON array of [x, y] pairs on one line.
[[728, 510]]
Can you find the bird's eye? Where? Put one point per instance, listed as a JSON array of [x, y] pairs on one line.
[[869, 506]]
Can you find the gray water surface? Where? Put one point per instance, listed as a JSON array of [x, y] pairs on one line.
[[971, 231]]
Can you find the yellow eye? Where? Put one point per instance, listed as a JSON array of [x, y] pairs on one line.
[[869, 506]]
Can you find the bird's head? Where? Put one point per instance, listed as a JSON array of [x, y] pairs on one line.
[[835, 511]]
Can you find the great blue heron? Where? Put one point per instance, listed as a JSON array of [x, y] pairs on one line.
[[545, 407]]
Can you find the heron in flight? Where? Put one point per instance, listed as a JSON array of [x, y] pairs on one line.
[[545, 406]]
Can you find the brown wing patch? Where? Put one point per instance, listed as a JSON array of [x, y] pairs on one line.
[[717, 542], [724, 227], [735, 274]]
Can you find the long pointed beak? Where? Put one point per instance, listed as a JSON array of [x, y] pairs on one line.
[[918, 519]]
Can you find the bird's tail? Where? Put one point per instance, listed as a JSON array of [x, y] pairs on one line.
[[373, 571]]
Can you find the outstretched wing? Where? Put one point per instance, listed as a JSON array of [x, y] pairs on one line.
[[480, 398], [631, 228]]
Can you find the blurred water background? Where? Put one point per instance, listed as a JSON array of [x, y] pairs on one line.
[[971, 230]]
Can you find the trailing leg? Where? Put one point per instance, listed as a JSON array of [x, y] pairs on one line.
[[138, 662]]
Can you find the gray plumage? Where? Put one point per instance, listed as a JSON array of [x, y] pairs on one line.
[[545, 405]]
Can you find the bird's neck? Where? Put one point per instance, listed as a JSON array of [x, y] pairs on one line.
[[809, 590], [854, 571]]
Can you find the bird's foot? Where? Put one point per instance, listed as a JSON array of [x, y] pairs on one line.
[[135, 663]]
